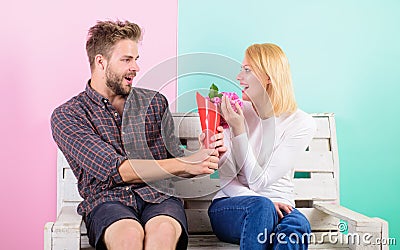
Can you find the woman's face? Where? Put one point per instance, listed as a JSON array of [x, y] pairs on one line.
[[253, 90]]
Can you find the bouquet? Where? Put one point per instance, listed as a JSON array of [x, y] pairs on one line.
[[215, 97], [209, 111]]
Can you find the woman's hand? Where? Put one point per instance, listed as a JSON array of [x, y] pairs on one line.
[[282, 207], [217, 141], [234, 119]]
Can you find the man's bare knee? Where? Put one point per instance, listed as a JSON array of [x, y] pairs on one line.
[[124, 234], [162, 232]]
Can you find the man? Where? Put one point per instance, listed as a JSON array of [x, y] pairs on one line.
[[120, 209]]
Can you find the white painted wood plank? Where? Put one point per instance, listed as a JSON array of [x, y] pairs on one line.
[[197, 187], [209, 242], [323, 129], [66, 230], [320, 145], [321, 186], [70, 243], [85, 243], [199, 242], [192, 145], [311, 161], [68, 222], [69, 175], [319, 220], [71, 192], [352, 217], [187, 127], [335, 154], [198, 221], [47, 235], [384, 233]]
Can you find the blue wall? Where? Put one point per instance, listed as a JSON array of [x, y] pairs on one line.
[[344, 58]]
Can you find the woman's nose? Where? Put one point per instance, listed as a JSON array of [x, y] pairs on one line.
[[239, 76]]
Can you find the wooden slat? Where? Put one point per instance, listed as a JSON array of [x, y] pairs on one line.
[[188, 127], [61, 161], [320, 145], [352, 217], [71, 192], [68, 223], [198, 221], [209, 242], [69, 176], [318, 220], [85, 243], [323, 129], [321, 186], [197, 187], [311, 161]]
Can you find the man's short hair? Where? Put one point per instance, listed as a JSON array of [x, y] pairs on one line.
[[105, 34]]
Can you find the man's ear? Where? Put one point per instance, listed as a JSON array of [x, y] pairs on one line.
[[100, 62]]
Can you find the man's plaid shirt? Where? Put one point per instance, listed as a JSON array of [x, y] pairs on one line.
[[95, 140]]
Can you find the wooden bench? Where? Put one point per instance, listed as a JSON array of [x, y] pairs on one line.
[[316, 187]]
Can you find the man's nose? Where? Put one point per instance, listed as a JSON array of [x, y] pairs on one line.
[[134, 67]]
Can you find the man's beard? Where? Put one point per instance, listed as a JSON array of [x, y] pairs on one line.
[[114, 82]]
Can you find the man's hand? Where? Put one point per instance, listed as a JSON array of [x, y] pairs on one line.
[[205, 161], [282, 207], [217, 141]]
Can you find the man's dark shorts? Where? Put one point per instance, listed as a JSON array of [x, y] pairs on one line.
[[107, 213]]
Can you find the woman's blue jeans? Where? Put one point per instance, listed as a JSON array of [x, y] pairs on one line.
[[252, 222]]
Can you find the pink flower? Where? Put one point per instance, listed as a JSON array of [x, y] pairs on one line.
[[233, 97]]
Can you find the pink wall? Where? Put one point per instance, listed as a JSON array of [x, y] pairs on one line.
[[43, 63]]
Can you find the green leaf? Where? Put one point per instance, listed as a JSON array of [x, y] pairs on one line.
[[214, 87], [213, 91]]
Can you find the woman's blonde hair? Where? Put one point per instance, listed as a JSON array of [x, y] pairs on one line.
[[269, 60]]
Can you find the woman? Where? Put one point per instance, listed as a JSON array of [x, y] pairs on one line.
[[256, 205]]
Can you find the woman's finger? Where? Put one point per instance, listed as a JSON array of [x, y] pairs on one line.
[[278, 211], [228, 105], [239, 109], [287, 209], [223, 107]]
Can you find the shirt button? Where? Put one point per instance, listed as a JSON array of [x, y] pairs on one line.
[[127, 188], [115, 114], [105, 100]]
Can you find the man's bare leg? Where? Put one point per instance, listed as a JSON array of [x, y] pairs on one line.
[[162, 232], [124, 234]]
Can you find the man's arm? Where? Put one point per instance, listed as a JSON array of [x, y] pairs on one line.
[[77, 139], [137, 171]]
